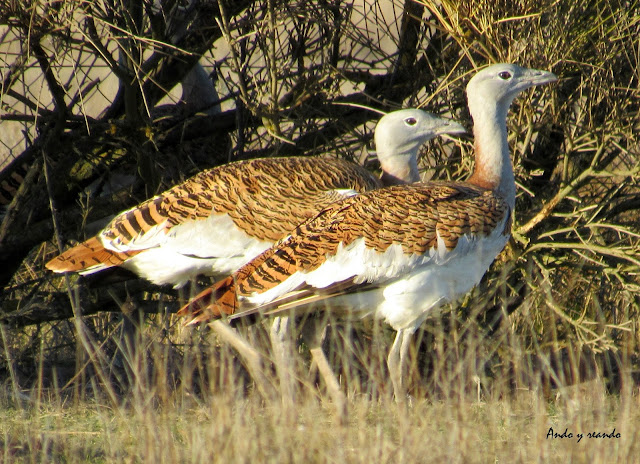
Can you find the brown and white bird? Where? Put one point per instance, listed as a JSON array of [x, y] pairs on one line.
[[396, 253], [222, 218]]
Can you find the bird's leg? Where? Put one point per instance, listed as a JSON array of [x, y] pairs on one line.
[[395, 369], [280, 337], [252, 359], [314, 340], [396, 361], [407, 335]]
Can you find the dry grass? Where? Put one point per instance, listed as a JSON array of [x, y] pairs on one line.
[[193, 402], [218, 417]]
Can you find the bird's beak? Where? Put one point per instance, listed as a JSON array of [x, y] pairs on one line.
[[536, 77], [450, 127]]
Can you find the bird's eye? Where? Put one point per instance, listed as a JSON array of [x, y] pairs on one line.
[[504, 75], [410, 121]]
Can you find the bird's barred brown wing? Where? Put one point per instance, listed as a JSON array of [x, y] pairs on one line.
[[265, 198], [413, 216]]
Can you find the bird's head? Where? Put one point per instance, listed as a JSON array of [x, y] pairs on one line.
[[404, 131], [399, 136], [498, 84]]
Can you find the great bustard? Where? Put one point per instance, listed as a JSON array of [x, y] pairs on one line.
[[222, 218], [399, 252]]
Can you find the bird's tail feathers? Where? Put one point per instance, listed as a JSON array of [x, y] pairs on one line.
[[215, 302], [87, 257]]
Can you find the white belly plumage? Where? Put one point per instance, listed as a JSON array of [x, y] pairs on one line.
[[407, 287], [212, 246]]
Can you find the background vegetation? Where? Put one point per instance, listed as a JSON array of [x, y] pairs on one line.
[[99, 369]]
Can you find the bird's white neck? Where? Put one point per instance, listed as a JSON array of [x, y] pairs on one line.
[[399, 169], [493, 168]]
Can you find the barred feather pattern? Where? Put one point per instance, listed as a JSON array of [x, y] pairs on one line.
[[265, 199], [416, 217], [91, 254], [11, 183]]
